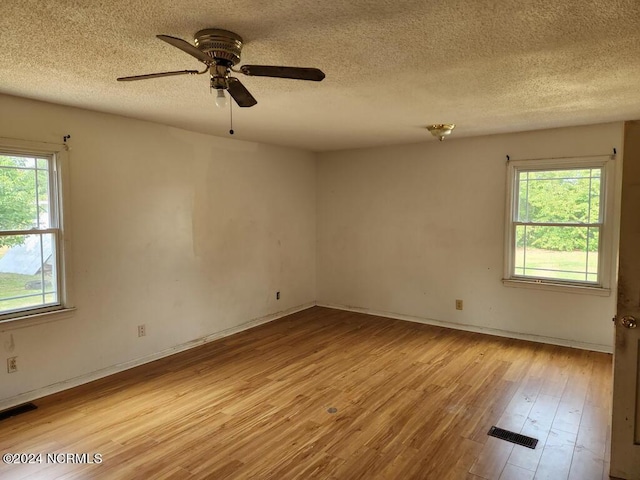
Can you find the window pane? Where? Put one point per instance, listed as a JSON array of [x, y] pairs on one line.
[[24, 193], [593, 239], [17, 161], [523, 193], [520, 251], [44, 220], [560, 253], [594, 213], [559, 196], [28, 276]]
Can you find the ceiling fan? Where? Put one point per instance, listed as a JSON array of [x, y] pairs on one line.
[[220, 51]]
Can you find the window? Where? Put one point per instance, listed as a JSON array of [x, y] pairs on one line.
[[31, 235], [558, 229]]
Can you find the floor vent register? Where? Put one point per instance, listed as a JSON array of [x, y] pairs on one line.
[[12, 412], [513, 437]]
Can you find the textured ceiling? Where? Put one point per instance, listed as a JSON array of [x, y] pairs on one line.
[[392, 66]]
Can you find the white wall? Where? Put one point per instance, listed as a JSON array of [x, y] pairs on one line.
[[187, 233], [404, 231]]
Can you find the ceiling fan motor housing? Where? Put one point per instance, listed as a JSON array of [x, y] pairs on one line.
[[224, 46]]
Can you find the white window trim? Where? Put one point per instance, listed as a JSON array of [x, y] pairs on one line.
[[608, 165], [60, 164]]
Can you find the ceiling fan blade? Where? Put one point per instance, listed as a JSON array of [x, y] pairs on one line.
[[240, 94], [157, 75], [283, 72], [187, 48]]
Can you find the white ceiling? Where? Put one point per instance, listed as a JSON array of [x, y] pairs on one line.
[[392, 66]]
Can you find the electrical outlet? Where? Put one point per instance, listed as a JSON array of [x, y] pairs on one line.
[[12, 364], [277, 295], [142, 330], [458, 304]]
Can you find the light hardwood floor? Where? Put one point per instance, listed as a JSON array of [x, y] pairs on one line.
[[413, 402]]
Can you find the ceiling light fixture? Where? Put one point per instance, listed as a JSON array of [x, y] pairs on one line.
[[441, 130], [221, 100]]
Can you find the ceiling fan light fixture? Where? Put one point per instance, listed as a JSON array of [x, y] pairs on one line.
[[441, 130], [221, 99]]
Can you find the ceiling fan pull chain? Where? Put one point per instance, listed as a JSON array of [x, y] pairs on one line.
[[231, 117]]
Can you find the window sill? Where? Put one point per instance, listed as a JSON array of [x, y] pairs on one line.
[[557, 287], [36, 319]]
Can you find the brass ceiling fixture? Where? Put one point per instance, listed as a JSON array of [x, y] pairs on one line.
[[441, 130], [219, 50]]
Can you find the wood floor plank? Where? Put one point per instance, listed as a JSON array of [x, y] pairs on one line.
[[589, 455], [411, 401], [557, 455], [537, 425], [511, 472], [466, 454], [599, 391], [492, 460]]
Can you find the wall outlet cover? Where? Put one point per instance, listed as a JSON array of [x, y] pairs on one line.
[[12, 364]]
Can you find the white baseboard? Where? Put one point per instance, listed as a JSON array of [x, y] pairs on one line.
[[105, 372], [472, 328]]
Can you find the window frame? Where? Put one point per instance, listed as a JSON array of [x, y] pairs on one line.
[[603, 285], [57, 156]]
